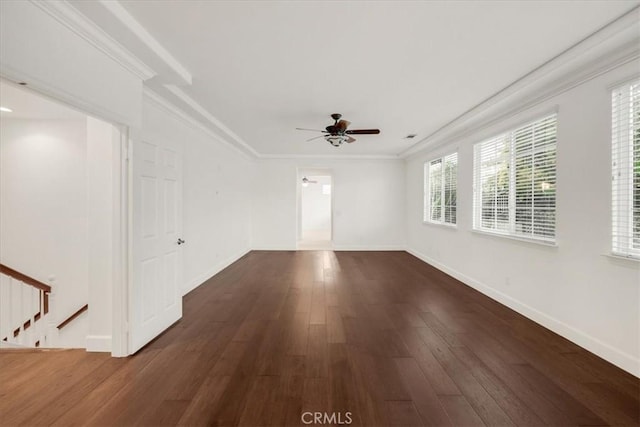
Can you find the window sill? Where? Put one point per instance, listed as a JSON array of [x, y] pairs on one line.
[[441, 224], [631, 258], [551, 244]]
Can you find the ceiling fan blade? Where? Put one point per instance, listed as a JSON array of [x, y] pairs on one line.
[[350, 139], [315, 137], [342, 125], [363, 132], [312, 130]]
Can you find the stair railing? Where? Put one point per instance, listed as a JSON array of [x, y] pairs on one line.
[[24, 305]]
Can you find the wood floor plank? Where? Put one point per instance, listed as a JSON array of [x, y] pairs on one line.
[[381, 336], [403, 413], [424, 397], [335, 327], [317, 362], [201, 409], [473, 391], [460, 412], [429, 365], [512, 405]]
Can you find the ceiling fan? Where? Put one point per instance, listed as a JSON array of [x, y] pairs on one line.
[[306, 181], [337, 133]]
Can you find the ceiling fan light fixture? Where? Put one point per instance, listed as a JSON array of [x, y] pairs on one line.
[[335, 140]]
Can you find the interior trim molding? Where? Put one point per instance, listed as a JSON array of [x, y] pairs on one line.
[[274, 248], [125, 18], [199, 280], [188, 119], [609, 47], [99, 343], [70, 17], [243, 147], [362, 248], [617, 357], [182, 95], [60, 95], [329, 156]]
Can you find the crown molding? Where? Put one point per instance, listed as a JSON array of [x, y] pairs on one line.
[[186, 118], [179, 93], [60, 95], [245, 149], [125, 18], [69, 16], [329, 157], [609, 47]]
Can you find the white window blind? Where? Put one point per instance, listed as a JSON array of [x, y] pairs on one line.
[[441, 190], [625, 156], [515, 182]]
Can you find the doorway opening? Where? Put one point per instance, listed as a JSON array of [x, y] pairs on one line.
[[63, 200], [315, 229]]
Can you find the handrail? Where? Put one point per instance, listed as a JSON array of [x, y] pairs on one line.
[[24, 278], [73, 316]]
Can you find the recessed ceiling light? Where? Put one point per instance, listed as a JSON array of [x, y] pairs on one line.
[[6, 110]]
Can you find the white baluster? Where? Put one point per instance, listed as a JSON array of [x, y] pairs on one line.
[[51, 322]]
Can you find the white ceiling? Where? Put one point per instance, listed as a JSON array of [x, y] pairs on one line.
[[263, 68], [28, 105]]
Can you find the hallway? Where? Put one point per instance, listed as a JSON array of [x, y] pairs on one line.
[[379, 335]]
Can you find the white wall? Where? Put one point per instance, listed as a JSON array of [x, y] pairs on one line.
[[315, 215], [368, 203], [43, 210], [574, 289], [216, 196]]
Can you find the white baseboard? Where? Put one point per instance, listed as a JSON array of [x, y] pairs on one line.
[[334, 248], [197, 281], [615, 356], [274, 248], [369, 248], [99, 343]]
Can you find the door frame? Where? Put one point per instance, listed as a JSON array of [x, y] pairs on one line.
[[308, 171], [121, 205], [122, 244]]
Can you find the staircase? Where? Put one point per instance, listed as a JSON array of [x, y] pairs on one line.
[[25, 316]]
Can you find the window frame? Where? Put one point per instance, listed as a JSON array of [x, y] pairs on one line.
[[623, 218], [509, 138], [426, 211]]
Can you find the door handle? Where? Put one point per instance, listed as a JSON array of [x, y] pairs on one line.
[[180, 241]]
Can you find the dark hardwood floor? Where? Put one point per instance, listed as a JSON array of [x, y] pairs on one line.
[[379, 338]]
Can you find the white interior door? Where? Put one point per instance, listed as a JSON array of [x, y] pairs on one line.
[[155, 302]]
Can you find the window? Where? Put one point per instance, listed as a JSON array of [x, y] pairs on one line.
[[625, 156], [326, 189], [515, 182], [440, 190]]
